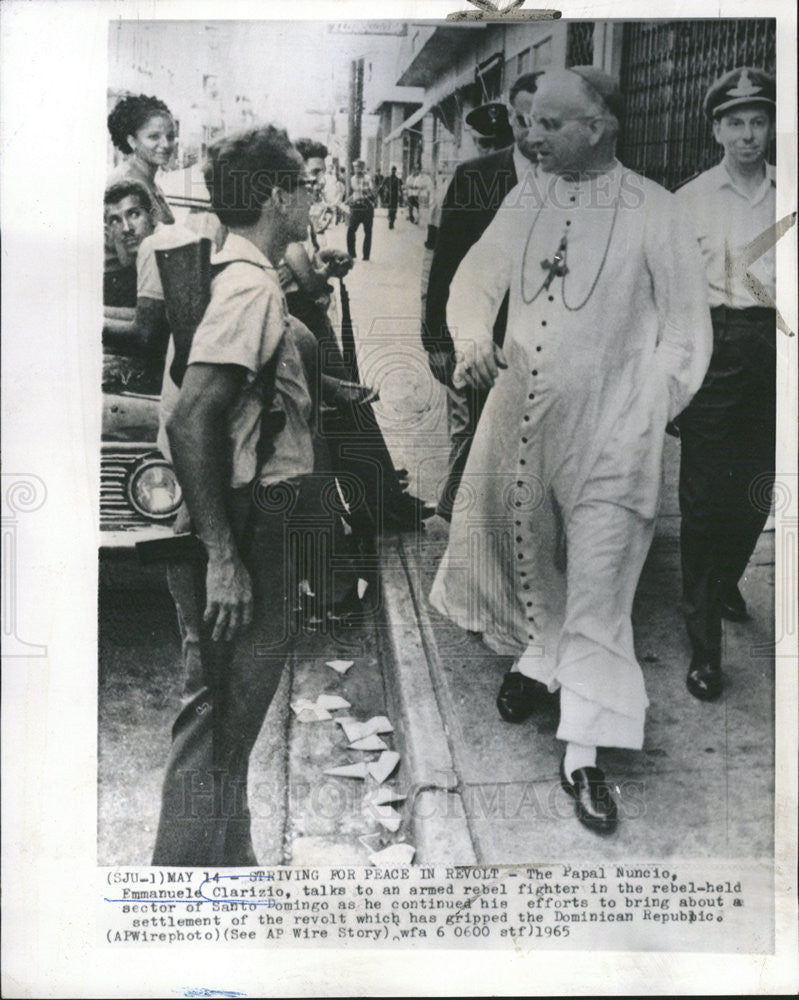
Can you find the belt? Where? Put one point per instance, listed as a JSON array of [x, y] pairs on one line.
[[754, 314]]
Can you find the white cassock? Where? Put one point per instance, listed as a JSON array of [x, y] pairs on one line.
[[557, 505]]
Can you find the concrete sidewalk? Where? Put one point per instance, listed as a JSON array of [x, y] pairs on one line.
[[701, 787], [485, 790]]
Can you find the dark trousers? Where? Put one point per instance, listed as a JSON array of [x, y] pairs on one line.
[[392, 215], [355, 446], [413, 206], [464, 407], [205, 817], [728, 437], [360, 217]]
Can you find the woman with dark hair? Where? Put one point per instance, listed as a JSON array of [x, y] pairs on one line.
[[143, 128]]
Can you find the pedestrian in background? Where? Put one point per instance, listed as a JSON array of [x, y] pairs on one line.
[[412, 194], [361, 203], [392, 193], [728, 433]]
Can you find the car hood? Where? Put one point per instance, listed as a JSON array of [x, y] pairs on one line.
[[130, 417]]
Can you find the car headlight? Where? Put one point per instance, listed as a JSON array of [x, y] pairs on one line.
[[153, 489]]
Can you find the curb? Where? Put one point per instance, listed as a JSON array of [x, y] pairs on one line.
[[440, 828]]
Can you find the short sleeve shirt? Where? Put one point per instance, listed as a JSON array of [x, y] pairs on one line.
[[245, 323], [727, 220]]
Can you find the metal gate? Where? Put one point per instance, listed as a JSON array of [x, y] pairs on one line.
[[579, 43], [666, 69]]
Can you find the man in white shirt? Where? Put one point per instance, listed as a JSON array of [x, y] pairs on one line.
[[361, 204], [728, 432], [239, 483]]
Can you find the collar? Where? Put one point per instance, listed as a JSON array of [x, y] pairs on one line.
[[614, 172], [520, 163], [238, 247], [721, 177]]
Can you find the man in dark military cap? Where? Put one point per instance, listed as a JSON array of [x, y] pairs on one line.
[[475, 193], [491, 126], [728, 432]]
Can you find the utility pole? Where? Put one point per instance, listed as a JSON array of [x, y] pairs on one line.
[[355, 112]]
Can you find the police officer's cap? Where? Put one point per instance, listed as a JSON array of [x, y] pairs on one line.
[[740, 86], [489, 120]]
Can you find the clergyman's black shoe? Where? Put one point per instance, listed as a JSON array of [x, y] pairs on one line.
[[732, 606], [518, 697], [593, 800], [704, 679]]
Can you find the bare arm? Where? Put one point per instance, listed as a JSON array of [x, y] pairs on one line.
[[311, 280], [137, 331], [198, 443], [119, 325]]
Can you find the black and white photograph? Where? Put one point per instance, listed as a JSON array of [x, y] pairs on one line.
[[499, 496], [445, 526]]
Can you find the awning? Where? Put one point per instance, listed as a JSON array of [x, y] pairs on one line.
[[488, 64], [435, 95], [409, 122]]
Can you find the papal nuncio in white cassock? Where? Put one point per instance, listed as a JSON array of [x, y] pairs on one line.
[[609, 337]]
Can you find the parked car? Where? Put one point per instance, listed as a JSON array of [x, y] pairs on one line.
[[139, 492]]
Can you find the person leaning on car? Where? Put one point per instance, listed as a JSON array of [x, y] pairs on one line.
[[135, 331]]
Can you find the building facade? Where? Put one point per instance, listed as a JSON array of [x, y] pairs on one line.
[[664, 68]]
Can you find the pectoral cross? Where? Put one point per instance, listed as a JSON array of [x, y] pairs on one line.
[[557, 266]]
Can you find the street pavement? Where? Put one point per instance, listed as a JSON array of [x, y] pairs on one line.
[[478, 790]]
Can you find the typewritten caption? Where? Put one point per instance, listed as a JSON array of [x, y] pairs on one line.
[[691, 906]]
